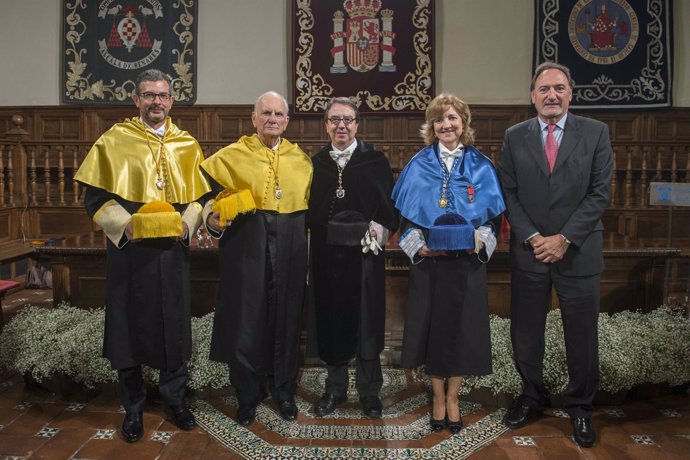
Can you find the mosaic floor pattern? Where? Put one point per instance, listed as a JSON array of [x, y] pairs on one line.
[[402, 433]]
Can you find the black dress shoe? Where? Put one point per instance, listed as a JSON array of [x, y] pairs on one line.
[[454, 427], [583, 432], [327, 404], [288, 410], [181, 417], [132, 427], [520, 415], [371, 406], [246, 415]]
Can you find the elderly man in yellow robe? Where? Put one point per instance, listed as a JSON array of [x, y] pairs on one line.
[[262, 184], [145, 190]]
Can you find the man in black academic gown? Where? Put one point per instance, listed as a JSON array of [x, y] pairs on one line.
[[263, 258], [350, 218], [145, 190]]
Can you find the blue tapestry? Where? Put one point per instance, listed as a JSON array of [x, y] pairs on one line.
[[619, 52]]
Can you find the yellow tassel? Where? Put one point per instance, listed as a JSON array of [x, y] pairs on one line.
[[229, 205], [157, 206], [156, 225]]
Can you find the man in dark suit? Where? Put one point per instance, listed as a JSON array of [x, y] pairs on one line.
[[555, 171]]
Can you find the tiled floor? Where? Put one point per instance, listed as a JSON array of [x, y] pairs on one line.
[[35, 423]]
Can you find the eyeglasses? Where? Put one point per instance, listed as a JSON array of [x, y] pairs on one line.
[[335, 121], [150, 97]]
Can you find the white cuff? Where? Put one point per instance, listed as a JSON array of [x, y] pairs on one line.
[[411, 242], [382, 233], [484, 235]]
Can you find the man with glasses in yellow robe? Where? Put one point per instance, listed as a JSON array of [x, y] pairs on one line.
[[145, 190]]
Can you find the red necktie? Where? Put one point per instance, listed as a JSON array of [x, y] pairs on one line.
[[551, 147]]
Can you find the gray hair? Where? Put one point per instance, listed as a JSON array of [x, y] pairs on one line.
[[342, 101], [152, 75], [274, 94], [548, 65]]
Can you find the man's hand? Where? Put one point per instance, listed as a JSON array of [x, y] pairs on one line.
[[185, 231], [129, 233], [213, 221], [548, 249]]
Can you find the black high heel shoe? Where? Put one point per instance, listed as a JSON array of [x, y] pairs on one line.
[[454, 427], [437, 425]]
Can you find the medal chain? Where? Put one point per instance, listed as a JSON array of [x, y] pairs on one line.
[[340, 191], [158, 161], [276, 181]]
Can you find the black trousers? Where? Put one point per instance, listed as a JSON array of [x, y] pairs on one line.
[[579, 304], [368, 378], [171, 385]]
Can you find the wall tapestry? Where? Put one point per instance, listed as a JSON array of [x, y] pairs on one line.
[[107, 43], [377, 52], [619, 52]]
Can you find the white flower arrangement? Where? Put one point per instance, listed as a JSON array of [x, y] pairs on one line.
[[634, 348]]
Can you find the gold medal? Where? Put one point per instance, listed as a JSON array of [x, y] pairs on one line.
[[442, 202]]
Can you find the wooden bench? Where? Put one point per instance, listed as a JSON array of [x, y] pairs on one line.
[[5, 287]]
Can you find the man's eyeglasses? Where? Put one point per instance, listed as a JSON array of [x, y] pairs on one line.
[[335, 121], [150, 97]]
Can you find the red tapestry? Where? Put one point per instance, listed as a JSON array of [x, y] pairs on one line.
[[377, 52]]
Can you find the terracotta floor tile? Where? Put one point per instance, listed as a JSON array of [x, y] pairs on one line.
[[558, 448], [188, 445], [492, 452], [19, 445], [216, 451], [118, 449], [33, 419], [65, 444], [640, 452], [88, 420], [675, 446], [523, 453]]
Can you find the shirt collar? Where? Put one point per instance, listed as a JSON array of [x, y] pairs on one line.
[[443, 149], [349, 149], [560, 123]]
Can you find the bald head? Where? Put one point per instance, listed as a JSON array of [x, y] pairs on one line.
[[270, 117]]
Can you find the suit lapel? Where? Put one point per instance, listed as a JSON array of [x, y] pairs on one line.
[[536, 147]]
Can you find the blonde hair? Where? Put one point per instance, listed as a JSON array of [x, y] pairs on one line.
[[435, 110]]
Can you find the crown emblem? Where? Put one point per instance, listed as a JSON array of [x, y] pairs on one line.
[[359, 8]]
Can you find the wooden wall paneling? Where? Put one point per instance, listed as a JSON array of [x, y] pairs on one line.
[[6, 230], [62, 221], [57, 124]]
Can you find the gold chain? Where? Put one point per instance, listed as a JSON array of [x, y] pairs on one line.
[[277, 191], [160, 181]]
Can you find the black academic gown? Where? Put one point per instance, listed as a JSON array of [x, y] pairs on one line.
[[348, 303], [147, 315], [256, 328]]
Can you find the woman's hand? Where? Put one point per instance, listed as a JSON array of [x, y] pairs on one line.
[[426, 252]]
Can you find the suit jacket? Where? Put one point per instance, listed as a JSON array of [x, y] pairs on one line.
[[571, 200]]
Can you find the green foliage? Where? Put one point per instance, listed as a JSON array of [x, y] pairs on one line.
[[43, 342], [634, 348]]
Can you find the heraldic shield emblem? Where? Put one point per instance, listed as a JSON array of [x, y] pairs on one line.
[[107, 43], [129, 44], [365, 39]]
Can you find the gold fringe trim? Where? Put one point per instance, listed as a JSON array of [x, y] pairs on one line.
[[229, 205], [156, 225]]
